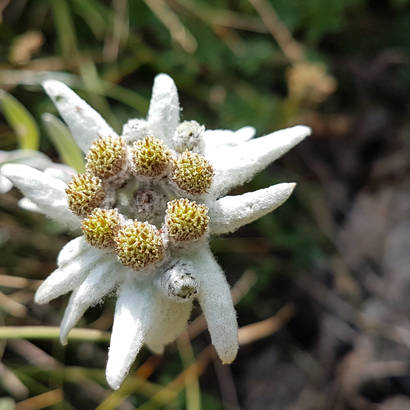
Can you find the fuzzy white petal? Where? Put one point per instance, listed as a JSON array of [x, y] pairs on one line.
[[163, 114], [68, 276], [72, 250], [216, 303], [173, 304], [231, 212], [101, 280], [63, 173], [27, 205], [244, 134], [155, 347], [46, 192], [28, 157], [135, 129], [171, 319], [217, 138], [5, 184], [237, 165], [132, 319], [84, 122]]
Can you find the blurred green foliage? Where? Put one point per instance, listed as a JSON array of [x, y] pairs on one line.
[[20, 119]]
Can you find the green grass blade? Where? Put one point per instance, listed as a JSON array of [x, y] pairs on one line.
[[65, 28], [64, 143], [20, 120]]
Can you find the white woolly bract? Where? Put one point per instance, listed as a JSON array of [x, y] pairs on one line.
[[216, 303], [84, 122], [72, 250], [27, 205], [133, 317], [46, 192], [68, 276], [135, 129], [214, 139], [163, 114], [171, 319], [233, 166], [5, 184], [232, 212], [101, 279], [28, 157], [62, 173]]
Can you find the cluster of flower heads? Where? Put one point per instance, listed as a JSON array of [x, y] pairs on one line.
[[146, 205], [155, 178]]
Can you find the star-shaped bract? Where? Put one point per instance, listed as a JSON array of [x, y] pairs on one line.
[[146, 310]]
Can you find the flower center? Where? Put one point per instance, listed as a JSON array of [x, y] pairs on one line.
[[130, 197]]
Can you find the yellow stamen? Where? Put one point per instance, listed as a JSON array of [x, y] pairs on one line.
[[106, 157], [100, 227], [150, 157], [84, 193], [139, 245], [193, 173], [186, 220]]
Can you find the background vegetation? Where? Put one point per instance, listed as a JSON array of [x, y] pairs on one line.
[[321, 285]]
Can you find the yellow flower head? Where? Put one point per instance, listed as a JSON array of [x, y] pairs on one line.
[[186, 220], [150, 157], [193, 173], [100, 227], [106, 157], [139, 245], [84, 193]]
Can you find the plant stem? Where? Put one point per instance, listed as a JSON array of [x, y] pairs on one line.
[[52, 332]]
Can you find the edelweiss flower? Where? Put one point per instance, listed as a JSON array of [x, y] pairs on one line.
[[147, 204]]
